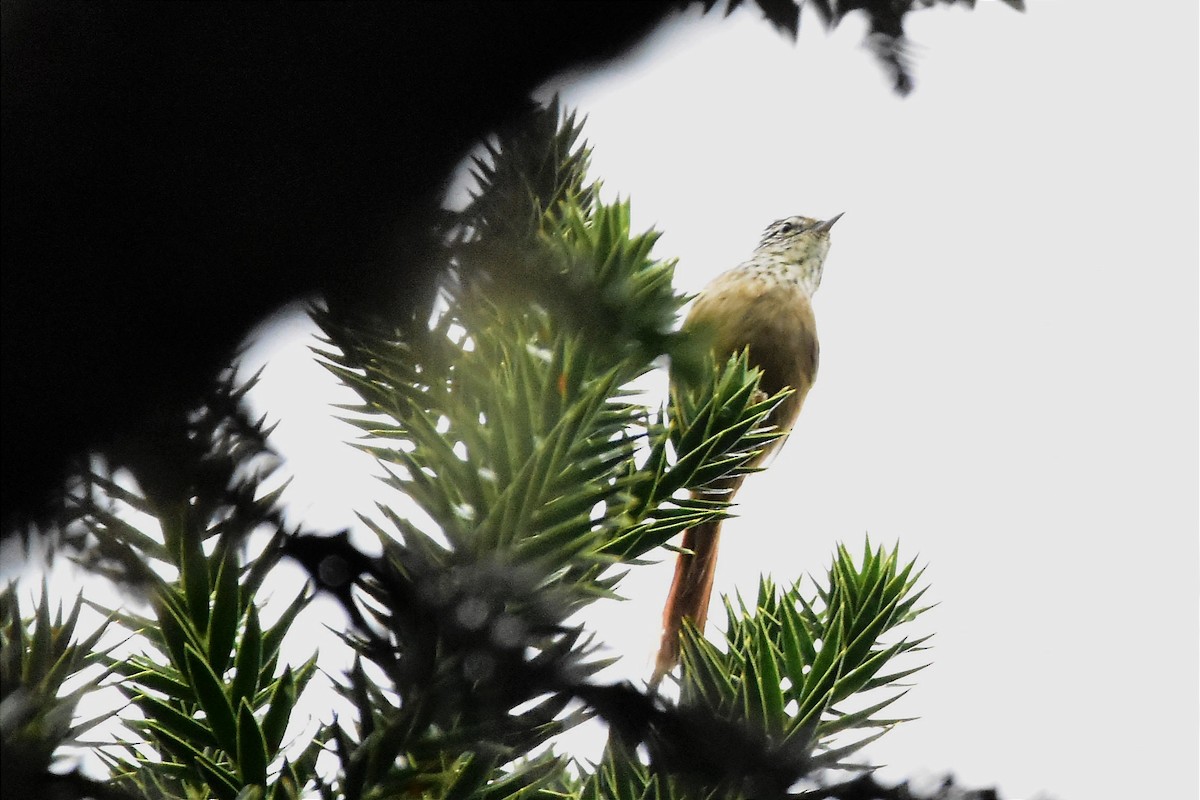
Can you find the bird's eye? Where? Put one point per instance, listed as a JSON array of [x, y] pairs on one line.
[[787, 227]]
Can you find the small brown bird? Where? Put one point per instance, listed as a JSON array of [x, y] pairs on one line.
[[764, 304]]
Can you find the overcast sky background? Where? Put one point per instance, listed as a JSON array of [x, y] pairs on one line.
[[1008, 383]]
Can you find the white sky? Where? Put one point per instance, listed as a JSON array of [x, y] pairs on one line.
[[1008, 383]]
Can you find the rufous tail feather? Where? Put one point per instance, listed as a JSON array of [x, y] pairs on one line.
[[690, 592]]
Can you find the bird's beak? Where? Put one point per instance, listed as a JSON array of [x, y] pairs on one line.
[[827, 224]]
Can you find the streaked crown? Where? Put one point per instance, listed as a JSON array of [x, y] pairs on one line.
[[790, 229]]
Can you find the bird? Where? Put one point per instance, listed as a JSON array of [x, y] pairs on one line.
[[763, 305]]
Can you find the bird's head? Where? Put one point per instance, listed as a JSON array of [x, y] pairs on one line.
[[799, 243]]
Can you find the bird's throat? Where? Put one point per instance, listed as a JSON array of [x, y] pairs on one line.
[[799, 267]]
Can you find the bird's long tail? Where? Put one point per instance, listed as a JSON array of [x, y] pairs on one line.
[[690, 592]]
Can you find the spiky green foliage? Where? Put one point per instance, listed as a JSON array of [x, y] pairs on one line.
[[39, 655], [205, 677], [536, 235], [214, 701], [621, 775], [791, 662], [769, 701]]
